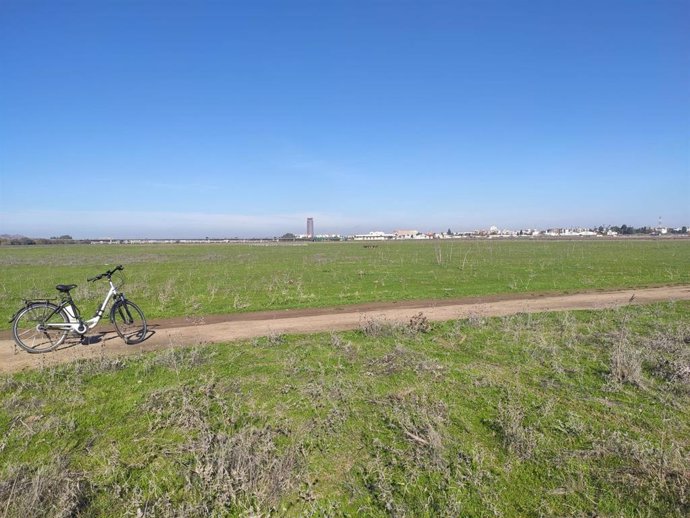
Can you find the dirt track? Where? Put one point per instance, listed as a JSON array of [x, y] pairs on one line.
[[215, 329]]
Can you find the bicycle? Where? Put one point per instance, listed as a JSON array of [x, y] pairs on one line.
[[41, 325]]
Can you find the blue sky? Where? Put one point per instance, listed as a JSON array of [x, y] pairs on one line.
[[194, 119]]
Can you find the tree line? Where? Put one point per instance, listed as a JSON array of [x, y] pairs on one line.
[[54, 240], [625, 230]]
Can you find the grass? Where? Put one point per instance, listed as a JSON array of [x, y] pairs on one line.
[[196, 280], [561, 414]]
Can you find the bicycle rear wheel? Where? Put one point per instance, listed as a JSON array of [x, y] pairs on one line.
[[129, 321], [32, 329]]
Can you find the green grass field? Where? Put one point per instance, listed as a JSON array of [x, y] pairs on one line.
[[577, 414], [560, 414], [183, 280]]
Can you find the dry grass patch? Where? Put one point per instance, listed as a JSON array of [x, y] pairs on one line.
[[517, 437], [49, 490]]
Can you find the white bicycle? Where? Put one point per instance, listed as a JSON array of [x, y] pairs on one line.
[[41, 326]]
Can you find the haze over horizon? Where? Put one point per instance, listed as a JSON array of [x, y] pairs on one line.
[[191, 119]]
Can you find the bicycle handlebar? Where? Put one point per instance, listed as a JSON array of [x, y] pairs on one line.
[[107, 274]]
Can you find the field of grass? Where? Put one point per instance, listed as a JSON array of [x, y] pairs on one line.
[[560, 414], [185, 280]]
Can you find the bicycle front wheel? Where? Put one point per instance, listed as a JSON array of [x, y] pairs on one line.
[[129, 321], [33, 328]]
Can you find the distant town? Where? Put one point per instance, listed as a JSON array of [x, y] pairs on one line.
[[492, 232]]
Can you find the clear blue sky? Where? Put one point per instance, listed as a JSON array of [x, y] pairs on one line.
[[194, 119]]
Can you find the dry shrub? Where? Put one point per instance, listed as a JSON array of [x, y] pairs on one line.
[[476, 321], [455, 336], [420, 421], [668, 356], [178, 357], [381, 327], [626, 364], [626, 360], [345, 347], [663, 470], [49, 490], [516, 436], [167, 292], [240, 302], [187, 407], [273, 339], [399, 477], [378, 327], [233, 467], [418, 324], [99, 365], [400, 359], [244, 470]]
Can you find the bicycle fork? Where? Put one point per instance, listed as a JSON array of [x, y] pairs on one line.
[[124, 312]]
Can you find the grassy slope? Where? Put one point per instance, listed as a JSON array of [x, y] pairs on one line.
[[182, 280], [580, 413]]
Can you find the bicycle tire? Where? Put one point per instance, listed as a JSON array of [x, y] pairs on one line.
[[28, 331], [129, 322]]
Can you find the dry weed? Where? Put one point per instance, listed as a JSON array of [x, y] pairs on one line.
[[516, 436], [420, 421], [395, 477], [233, 468], [167, 292], [381, 327], [49, 490], [419, 323], [273, 339], [377, 327], [99, 365], [400, 359], [176, 358], [641, 464], [239, 302], [244, 470], [343, 346], [668, 356], [625, 359]]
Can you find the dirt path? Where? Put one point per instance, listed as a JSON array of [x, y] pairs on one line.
[[185, 332]]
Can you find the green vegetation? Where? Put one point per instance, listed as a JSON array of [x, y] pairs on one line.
[[186, 280], [561, 414]]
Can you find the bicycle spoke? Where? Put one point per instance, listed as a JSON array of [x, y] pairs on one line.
[[38, 329]]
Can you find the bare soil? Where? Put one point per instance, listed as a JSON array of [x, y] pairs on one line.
[[180, 332]]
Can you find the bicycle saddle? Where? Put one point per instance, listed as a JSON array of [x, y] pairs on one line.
[[64, 288]]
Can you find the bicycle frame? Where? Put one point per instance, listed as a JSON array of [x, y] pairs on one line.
[[76, 324]]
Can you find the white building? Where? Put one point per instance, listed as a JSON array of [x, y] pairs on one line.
[[373, 236], [406, 234]]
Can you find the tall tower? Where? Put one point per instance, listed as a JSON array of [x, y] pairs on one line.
[[310, 228]]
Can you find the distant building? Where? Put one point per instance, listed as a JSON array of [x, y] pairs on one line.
[[405, 234], [310, 228], [373, 236]]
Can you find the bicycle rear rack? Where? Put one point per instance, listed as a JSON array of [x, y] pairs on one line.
[[28, 302]]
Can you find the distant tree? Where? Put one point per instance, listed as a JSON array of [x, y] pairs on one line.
[[684, 230], [450, 232], [626, 230], [288, 235], [22, 241]]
